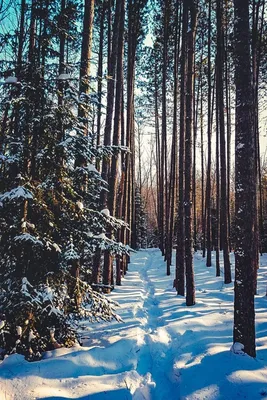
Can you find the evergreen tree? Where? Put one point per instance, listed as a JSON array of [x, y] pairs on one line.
[[51, 218]]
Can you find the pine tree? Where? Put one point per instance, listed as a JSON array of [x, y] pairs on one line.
[[50, 209]]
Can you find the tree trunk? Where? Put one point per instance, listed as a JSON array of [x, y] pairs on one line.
[[87, 34], [218, 191], [164, 135], [209, 123], [113, 181], [189, 270], [105, 200], [221, 126], [180, 250], [99, 78], [245, 185], [173, 171]]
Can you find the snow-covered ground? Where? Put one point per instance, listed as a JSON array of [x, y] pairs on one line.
[[163, 350]]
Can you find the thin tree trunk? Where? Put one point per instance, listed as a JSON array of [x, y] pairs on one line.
[[158, 164], [164, 136], [223, 175], [209, 127], [218, 191], [87, 34], [180, 250], [190, 284], [173, 171], [105, 201], [113, 182], [228, 123], [99, 78], [21, 37]]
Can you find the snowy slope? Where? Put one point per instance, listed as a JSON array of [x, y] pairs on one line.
[[163, 350]]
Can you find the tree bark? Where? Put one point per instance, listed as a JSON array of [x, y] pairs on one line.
[[189, 270], [209, 128], [180, 250], [87, 35], [245, 185], [221, 126]]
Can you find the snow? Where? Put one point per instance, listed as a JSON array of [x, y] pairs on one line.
[[80, 205], [64, 77], [56, 247], [92, 168], [24, 224], [240, 146], [237, 348], [106, 212], [100, 236], [31, 335], [26, 237], [162, 351], [19, 192], [11, 79]]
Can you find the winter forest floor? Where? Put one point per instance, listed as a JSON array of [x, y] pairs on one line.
[[162, 351]]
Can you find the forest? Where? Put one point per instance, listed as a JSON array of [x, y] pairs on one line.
[[130, 129]]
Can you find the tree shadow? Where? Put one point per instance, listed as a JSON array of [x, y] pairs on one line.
[[117, 394], [223, 375]]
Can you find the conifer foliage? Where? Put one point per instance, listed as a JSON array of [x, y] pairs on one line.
[[51, 220]]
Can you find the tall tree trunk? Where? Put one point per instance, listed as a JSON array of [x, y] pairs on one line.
[[122, 201], [158, 161], [30, 73], [113, 181], [245, 185], [189, 270], [209, 123], [87, 35], [100, 77], [21, 37], [220, 105], [173, 171], [164, 134], [60, 130], [256, 102], [96, 273], [180, 251], [134, 9], [228, 120], [203, 211], [218, 188], [18, 75], [112, 65]]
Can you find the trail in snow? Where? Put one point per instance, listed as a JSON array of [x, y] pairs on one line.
[[154, 356], [162, 351]]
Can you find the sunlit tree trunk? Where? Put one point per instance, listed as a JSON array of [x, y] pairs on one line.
[[113, 181], [164, 135], [223, 181], [209, 131], [105, 200], [173, 168]]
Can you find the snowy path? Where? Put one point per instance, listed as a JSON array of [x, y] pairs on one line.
[[162, 351], [155, 357]]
